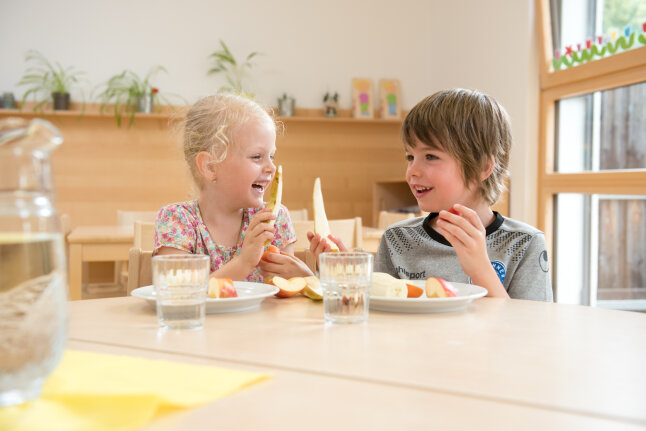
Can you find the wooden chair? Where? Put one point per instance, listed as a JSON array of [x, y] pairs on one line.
[[140, 269], [144, 235], [349, 230], [299, 215], [386, 218], [128, 218]]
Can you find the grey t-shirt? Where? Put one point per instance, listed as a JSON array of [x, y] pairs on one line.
[[412, 250]]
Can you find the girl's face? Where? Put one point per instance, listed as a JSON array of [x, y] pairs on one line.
[[249, 166], [436, 180]]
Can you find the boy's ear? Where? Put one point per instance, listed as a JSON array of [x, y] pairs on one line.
[[488, 168], [205, 165]]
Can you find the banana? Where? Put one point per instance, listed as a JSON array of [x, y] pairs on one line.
[[275, 195], [321, 225]]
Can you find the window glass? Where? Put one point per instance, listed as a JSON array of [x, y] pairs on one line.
[[587, 30], [602, 131], [600, 257]]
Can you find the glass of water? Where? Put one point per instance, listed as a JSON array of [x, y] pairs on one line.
[[181, 282], [345, 279]]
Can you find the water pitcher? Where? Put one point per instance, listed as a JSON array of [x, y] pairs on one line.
[[33, 281]]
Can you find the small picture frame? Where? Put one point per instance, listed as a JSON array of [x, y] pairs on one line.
[[362, 98], [390, 98]]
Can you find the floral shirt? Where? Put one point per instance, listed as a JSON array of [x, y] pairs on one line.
[[180, 226]]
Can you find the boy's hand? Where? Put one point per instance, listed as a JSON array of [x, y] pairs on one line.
[[283, 265], [468, 237], [257, 234]]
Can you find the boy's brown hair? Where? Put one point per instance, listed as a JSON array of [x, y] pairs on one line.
[[471, 127]]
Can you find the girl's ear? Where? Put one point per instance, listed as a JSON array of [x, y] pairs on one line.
[[205, 165], [488, 168]]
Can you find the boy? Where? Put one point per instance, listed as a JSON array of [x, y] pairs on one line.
[[457, 145]]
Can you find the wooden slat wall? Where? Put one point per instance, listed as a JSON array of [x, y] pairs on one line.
[[101, 168]]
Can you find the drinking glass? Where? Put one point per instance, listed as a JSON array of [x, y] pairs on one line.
[[33, 276], [345, 279], [181, 282]]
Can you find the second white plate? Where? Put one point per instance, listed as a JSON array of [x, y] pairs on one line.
[[466, 294], [250, 295]]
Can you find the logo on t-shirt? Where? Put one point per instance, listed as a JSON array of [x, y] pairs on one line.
[[500, 269]]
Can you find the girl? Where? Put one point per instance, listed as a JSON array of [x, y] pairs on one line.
[[229, 145]]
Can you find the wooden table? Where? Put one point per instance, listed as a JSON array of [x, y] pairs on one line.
[[501, 364], [95, 244]]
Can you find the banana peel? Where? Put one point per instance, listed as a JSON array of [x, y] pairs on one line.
[[321, 224]]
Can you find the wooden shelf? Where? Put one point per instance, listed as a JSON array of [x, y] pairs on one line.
[[93, 110]]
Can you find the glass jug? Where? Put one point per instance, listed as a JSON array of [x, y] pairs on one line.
[[33, 281]]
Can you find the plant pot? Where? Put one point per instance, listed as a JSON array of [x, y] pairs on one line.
[[61, 101], [145, 103], [286, 106]]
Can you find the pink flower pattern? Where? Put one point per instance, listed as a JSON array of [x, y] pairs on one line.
[[180, 226]]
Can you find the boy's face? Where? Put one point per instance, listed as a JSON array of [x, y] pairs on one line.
[[435, 178]]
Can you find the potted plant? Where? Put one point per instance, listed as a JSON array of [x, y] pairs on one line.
[[129, 93], [234, 71], [48, 82]]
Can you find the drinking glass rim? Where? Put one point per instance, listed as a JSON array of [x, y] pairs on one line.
[[171, 257], [340, 254]]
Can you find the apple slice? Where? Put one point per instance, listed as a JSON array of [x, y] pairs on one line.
[[439, 288], [275, 195], [313, 288], [321, 225], [221, 288], [384, 284], [287, 288], [414, 291]]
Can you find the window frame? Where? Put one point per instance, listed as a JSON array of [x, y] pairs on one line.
[[617, 70]]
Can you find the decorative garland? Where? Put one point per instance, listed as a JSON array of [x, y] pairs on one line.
[[604, 46]]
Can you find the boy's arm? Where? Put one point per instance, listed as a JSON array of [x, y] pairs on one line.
[[531, 279], [467, 235]]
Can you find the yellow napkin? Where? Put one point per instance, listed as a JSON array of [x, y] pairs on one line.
[[91, 391]]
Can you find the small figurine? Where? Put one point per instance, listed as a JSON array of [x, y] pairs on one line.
[[331, 103]]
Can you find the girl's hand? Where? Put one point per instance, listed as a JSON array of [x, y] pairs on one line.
[[465, 232], [283, 265], [317, 246], [257, 234]]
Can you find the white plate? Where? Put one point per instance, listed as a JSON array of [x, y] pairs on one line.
[[466, 294], [250, 295]]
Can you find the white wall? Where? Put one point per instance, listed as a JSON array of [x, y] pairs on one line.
[[308, 48]]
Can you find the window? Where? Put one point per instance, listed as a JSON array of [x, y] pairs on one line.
[[592, 151]]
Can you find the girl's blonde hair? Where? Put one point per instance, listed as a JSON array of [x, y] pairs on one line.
[[211, 125], [470, 126]]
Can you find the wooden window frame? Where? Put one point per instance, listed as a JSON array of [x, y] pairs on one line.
[[618, 70]]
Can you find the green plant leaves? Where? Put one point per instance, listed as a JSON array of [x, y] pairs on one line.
[[226, 64]]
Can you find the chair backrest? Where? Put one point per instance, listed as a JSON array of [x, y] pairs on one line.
[[144, 235], [299, 215], [140, 269], [349, 230], [128, 218], [386, 218]]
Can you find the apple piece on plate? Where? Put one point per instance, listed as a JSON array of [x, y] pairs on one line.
[[414, 291], [439, 288], [287, 288], [313, 288], [384, 284], [221, 288]]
